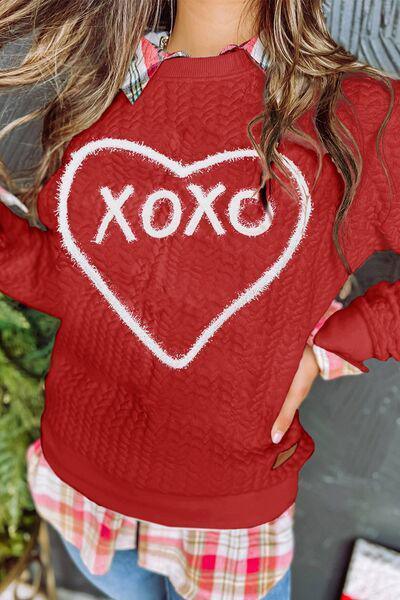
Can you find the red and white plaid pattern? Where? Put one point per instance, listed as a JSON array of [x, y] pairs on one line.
[[231, 564], [240, 564]]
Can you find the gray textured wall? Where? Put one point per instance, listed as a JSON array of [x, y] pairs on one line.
[[368, 28], [351, 486]]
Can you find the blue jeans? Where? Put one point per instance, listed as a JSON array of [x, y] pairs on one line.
[[125, 580]]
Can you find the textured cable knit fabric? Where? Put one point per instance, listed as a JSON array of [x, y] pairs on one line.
[[235, 564], [170, 267]]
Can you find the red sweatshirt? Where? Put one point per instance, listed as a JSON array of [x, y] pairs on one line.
[[178, 293]]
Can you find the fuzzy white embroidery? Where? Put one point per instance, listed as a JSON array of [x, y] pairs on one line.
[[205, 207], [179, 170], [148, 210], [234, 210], [114, 211]]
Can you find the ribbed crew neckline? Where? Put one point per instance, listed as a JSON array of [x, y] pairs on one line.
[[232, 61]]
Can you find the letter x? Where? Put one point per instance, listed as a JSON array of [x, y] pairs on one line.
[[205, 201], [114, 206]]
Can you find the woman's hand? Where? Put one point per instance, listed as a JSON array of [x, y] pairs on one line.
[[305, 376]]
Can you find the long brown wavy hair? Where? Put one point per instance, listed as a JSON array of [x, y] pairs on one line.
[[82, 49]]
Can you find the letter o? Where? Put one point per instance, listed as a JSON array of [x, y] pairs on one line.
[[148, 211], [234, 210]]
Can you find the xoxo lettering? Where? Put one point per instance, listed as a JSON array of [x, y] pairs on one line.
[[116, 205], [205, 209]]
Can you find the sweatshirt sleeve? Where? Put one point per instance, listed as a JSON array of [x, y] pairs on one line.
[[369, 327], [331, 365], [28, 271]]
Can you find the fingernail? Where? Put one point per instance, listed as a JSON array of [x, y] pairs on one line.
[[277, 436]]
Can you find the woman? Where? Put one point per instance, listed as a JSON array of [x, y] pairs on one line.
[[177, 292]]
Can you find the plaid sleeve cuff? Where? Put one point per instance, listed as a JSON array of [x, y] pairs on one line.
[[331, 365]]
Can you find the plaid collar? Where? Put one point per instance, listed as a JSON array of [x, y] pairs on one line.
[[149, 56]]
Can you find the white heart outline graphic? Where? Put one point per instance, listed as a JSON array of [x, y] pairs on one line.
[[180, 170]]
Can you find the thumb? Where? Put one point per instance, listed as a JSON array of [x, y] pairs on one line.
[[306, 373]]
